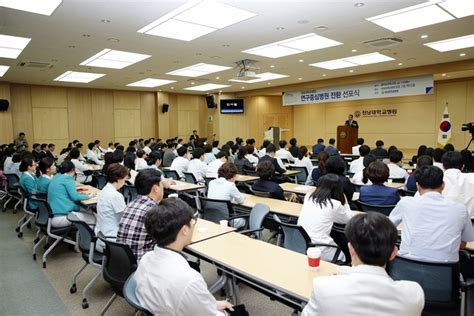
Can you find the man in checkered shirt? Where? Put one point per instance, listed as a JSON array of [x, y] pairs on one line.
[[132, 230]]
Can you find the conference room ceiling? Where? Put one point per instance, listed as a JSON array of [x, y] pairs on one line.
[[79, 29]]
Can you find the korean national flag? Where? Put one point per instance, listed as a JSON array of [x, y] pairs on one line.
[[444, 132]]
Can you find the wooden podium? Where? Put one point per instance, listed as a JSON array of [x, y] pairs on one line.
[[346, 138]]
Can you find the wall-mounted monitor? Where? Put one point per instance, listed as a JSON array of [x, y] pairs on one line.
[[232, 106]]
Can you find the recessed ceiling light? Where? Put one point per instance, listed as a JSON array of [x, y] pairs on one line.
[[359, 4], [352, 61], [3, 70], [194, 19], [75, 76], [207, 87], [243, 87], [217, 78], [444, 75], [261, 77], [272, 66], [462, 54], [192, 82], [351, 70], [424, 36], [458, 8], [413, 17], [294, 45], [269, 83], [452, 43], [150, 83], [280, 28], [115, 59], [198, 70], [220, 91], [321, 28], [44, 7], [172, 88], [300, 79], [354, 50], [324, 75], [12, 46], [301, 60], [400, 64]]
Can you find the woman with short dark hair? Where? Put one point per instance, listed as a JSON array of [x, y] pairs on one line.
[[47, 169], [28, 180], [378, 193], [266, 170]]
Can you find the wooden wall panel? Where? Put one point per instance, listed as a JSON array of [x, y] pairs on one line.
[[148, 114], [102, 102], [21, 110], [80, 115], [48, 97], [6, 120], [127, 100], [173, 115], [188, 115], [127, 124], [50, 123]]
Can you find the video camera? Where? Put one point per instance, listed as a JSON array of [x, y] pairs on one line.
[[468, 127]]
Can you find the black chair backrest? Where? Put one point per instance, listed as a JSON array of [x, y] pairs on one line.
[[13, 181], [440, 281], [215, 210], [129, 193], [406, 192], [171, 174], [398, 180], [119, 263], [303, 175], [87, 235], [189, 177], [44, 212], [100, 180], [356, 187], [260, 193], [252, 173], [207, 180], [294, 236], [383, 209]]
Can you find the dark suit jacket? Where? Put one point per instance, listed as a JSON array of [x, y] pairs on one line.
[[269, 186], [37, 155], [294, 150], [278, 169], [49, 155], [354, 124], [379, 153], [379, 194], [318, 148], [331, 150]]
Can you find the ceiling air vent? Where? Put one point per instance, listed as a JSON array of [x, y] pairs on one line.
[[35, 64], [383, 42]]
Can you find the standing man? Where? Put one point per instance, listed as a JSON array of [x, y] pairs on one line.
[[350, 121], [21, 143]]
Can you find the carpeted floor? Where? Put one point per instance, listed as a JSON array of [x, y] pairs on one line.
[[28, 289]]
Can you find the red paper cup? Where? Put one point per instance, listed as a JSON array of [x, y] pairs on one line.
[[314, 258]]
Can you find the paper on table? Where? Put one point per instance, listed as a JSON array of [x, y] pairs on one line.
[[302, 188]]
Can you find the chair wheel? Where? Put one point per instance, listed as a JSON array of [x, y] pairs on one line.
[[44, 265], [28, 225], [85, 304], [34, 256], [20, 234], [36, 240], [73, 289], [17, 229]]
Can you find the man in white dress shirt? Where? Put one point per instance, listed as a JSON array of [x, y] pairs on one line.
[[92, 155], [358, 164], [214, 165], [355, 149], [396, 172], [166, 284], [434, 227], [282, 153], [140, 162], [458, 186], [181, 162], [197, 166], [367, 289]]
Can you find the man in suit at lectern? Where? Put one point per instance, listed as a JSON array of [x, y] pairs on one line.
[[350, 121]]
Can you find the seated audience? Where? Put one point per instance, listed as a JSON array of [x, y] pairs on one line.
[[337, 165], [223, 188], [378, 193], [367, 289], [215, 147], [434, 227], [36, 151], [164, 271], [448, 147], [110, 148], [241, 162], [62, 197], [208, 155], [319, 170], [360, 177], [321, 209], [213, 166], [131, 229], [154, 160], [92, 156], [355, 149], [111, 203], [437, 157], [181, 163], [358, 164], [28, 180], [74, 155], [47, 169], [130, 156], [265, 171], [379, 152], [294, 150], [302, 160], [282, 153], [197, 166], [227, 149], [140, 161], [12, 166], [421, 152], [263, 150], [395, 171], [169, 154], [331, 148], [458, 186], [270, 156], [318, 147], [410, 184], [250, 155]]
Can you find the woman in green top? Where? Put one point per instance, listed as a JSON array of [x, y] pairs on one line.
[[46, 171]]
